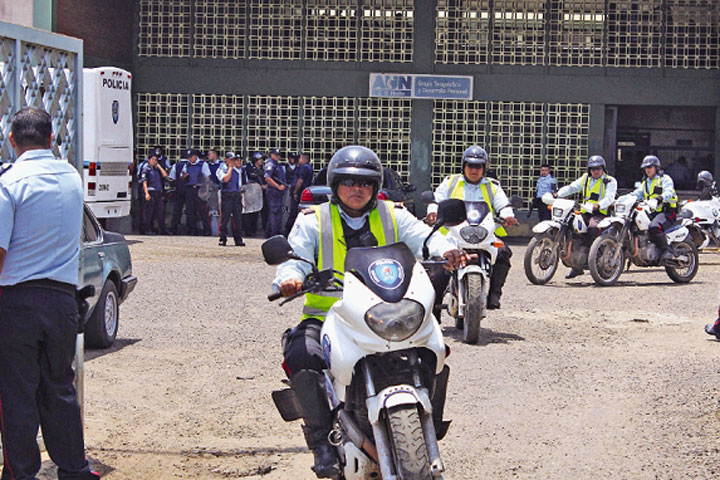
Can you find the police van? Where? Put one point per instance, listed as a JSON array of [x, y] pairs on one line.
[[107, 141]]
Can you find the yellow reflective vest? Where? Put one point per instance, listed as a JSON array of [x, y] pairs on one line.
[[656, 191], [332, 249], [488, 189], [598, 188]]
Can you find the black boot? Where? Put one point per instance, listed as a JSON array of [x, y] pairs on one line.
[[666, 252], [574, 272], [309, 387], [497, 280]]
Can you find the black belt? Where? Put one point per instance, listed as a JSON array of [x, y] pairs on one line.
[[45, 283]]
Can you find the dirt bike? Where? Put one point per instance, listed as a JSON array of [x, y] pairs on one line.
[[702, 219], [560, 238], [626, 235], [386, 379]]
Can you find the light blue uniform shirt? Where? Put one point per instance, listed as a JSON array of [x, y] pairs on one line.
[[473, 193], [667, 184], [545, 185], [304, 239], [578, 185], [41, 210]]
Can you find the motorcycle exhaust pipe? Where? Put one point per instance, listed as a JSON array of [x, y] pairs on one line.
[[356, 435]]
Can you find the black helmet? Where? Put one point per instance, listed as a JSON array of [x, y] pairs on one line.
[[474, 155], [596, 161], [257, 155], [358, 162], [650, 161], [704, 179], [275, 151], [230, 155]]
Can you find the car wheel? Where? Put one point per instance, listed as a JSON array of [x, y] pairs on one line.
[[101, 329]]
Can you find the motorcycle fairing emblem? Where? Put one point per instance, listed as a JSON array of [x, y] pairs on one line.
[[327, 349], [115, 111], [386, 273]]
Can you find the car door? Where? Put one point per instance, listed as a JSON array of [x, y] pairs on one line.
[[92, 256]]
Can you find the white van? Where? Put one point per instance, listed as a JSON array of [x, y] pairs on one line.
[[107, 141]]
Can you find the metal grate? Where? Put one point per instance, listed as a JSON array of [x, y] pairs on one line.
[[461, 31], [577, 32], [566, 148], [162, 119], [49, 82], [272, 122], [457, 124], [7, 76], [332, 30], [275, 29], [518, 32], [219, 29], [515, 143], [634, 33], [328, 125], [217, 122], [693, 34], [384, 127], [164, 28], [387, 31]]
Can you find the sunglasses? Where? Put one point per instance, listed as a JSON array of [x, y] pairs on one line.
[[475, 166], [595, 168], [355, 182]]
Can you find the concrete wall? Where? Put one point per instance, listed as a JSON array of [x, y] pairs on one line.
[[14, 11]]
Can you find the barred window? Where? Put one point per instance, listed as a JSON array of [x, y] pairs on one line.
[[384, 127], [332, 30], [275, 29], [693, 34], [219, 29], [577, 33], [462, 31], [519, 32], [634, 33], [387, 31], [272, 122], [164, 28], [162, 119], [217, 122], [457, 124], [567, 140], [328, 125]]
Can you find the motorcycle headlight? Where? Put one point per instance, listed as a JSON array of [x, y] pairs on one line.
[[395, 321], [473, 234], [619, 208], [557, 212]]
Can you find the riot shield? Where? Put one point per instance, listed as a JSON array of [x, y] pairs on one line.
[[252, 198]]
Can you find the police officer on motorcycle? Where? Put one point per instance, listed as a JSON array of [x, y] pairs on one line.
[[353, 218], [658, 190], [475, 185], [599, 189], [707, 186]]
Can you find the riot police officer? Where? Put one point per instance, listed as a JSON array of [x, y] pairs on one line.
[[151, 179], [474, 185], [275, 178], [179, 200], [232, 177], [194, 173]]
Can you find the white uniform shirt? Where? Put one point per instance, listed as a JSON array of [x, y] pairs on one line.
[[667, 184]]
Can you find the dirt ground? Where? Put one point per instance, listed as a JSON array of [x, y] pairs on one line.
[[569, 381]]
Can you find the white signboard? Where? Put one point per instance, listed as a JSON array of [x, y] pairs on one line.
[[421, 86]]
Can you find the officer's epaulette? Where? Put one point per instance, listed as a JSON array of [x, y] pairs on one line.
[[399, 205], [308, 211], [606, 180], [494, 180], [5, 168]]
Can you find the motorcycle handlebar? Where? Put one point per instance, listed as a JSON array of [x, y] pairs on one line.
[[274, 296]]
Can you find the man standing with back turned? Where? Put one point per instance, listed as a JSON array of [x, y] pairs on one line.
[[41, 211]]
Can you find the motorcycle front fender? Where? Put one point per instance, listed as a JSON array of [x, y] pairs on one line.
[[462, 272], [546, 225], [397, 395], [608, 221]]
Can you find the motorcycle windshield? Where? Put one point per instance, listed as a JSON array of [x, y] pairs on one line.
[[384, 270], [476, 212]]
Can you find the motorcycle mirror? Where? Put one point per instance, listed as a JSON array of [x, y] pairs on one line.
[[427, 197], [451, 212], [277, 250], [516, 201], [410, 188]]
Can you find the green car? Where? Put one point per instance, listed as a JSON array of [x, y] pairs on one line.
[[105, 264]]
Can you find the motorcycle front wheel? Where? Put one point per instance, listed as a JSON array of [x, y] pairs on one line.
[[605, 267], [475, 303], [541, 259], [408, 443], [687, 272]]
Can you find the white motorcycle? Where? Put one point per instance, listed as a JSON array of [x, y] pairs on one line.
[[386, 379], [625, 235], [702, 219], [559, 238]]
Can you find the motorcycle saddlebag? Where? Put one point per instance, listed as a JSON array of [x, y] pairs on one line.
[[287, 404]]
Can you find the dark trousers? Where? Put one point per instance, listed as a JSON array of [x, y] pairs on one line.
[[178, 205], [154, 211], [142, 204], [275, 204], [38, 327], [194, 209], [292, 216], [302, 349], [231, 209], [265, 213], [544, 212]]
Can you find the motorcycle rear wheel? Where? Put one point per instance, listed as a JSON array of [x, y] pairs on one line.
[[408, 443], [685, 274], [604, 268], [475, 304], [541, 253]]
